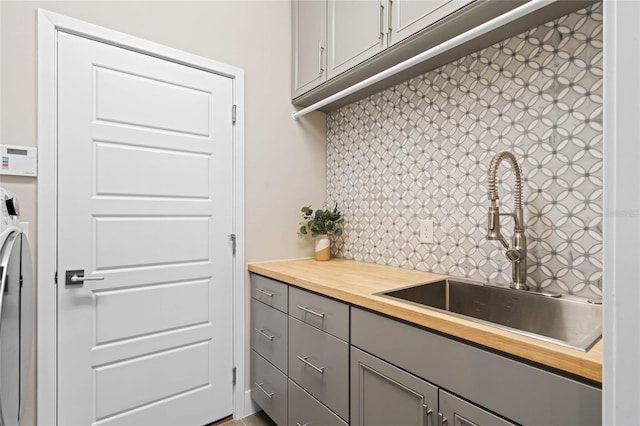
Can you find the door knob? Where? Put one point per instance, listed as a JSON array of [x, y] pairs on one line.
[[76, 277]]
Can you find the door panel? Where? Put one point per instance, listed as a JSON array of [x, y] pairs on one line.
[[150, 172], [150, 241], [145, 204], [122, 314], [123, 97], [134, 382]]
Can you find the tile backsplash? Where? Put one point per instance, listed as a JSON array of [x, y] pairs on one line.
[[421, 150]]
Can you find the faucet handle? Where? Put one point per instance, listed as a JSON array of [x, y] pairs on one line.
[[513, 255]]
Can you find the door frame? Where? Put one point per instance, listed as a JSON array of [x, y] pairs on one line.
[[49, 24]]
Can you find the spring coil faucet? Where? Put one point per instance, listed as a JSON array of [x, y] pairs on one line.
[[517, 254]]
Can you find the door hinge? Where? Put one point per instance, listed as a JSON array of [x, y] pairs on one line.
[[233, 114], [55, 279], [233, 239], [233, 376]]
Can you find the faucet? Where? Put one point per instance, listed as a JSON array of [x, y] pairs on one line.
[[517, 254]]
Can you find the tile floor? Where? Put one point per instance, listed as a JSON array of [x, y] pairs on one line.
[[257, 419]]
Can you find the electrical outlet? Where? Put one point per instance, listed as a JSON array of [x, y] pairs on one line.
[[426, 231]]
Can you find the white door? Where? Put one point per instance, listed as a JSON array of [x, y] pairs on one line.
[[145, 210]]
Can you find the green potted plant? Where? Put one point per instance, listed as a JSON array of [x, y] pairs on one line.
[[320, 224]]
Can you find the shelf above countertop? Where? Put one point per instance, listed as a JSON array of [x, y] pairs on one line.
[[357, 283]]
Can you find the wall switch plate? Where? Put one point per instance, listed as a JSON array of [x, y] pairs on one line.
[[426, 231]]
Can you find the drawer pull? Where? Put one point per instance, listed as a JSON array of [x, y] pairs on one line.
[[269, 394], [306, 309], [318, 369], [266, 293], [268, 336]]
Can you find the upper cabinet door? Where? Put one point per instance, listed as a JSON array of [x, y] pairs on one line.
[[356, 33], [407, 17], [309, 44]]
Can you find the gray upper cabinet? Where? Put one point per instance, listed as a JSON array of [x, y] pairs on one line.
[[356, 30], [407, 17], [355, 33], [366, 37], [309, 21]]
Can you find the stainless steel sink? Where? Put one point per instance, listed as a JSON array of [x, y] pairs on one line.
[[571, 323]]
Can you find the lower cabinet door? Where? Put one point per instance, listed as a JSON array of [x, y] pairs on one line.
[[458, 412], [305, 410], [382, 394], [269, 389]]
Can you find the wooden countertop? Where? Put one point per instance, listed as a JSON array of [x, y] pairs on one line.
[[357, 282]]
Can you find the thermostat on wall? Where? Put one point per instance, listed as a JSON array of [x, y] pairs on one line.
[[19, 160]]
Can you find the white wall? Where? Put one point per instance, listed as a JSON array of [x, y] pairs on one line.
[[285, 160], [621, 373]]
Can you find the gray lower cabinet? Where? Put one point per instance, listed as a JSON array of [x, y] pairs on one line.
[[269, 334], [382, 394], [299, 355], [514, 390], [319, 363], [454, 411], [269, 388], [304, 409]]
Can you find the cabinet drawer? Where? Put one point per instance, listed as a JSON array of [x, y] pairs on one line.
[[319, 363], [269, 388], [269, 334], [270, 292], [306, 410], [319, 311]]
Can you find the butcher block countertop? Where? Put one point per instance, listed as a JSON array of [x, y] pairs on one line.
[[357, 283]]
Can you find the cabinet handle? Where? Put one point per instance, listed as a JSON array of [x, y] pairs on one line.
[[442, 420], [268, 336], [427, 414], [298, 424], [269, 394], [318, 369], [320, 50], [380, 14], [306, 309], [266, 293], [389, 17]]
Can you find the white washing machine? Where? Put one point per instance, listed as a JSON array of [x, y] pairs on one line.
[[17, 311]]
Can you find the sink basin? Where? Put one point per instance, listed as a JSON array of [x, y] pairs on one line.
[[571, 323]]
